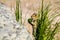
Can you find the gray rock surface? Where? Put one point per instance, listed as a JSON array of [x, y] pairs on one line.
[[10, 29]]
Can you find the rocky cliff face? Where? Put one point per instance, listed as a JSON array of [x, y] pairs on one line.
[[10, 29]]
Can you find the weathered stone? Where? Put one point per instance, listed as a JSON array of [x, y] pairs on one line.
[[10, 29]]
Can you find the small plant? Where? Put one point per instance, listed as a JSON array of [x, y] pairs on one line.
[[44, 30]]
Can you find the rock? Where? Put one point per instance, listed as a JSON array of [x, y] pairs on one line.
[[10, 29]]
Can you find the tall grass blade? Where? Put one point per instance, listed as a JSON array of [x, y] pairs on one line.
[[18, 12], [43, 31]]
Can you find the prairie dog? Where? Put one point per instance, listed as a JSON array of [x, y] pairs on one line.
[[33, 22]]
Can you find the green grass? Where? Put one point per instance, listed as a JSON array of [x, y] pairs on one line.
[[44, 31], [18, 12]]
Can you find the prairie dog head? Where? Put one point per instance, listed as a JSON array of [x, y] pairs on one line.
[[34, 16]]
